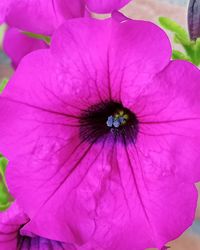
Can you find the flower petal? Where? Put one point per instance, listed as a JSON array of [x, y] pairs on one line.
[[104, 6], [39, 243], [125, 203], [23, 45], [120, 52], [41, 16], [169, 133], [33, 101], [165, 207], [10, 223], [4, 5]]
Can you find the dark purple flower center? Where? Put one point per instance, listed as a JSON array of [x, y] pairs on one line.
[[110, 120]]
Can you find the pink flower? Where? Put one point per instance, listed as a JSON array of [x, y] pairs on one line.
[[16, 45], [39, 16], [44, 16], [105, 6], [102, 134], [11, 222]]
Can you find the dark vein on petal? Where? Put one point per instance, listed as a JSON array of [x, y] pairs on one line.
[[69, 174], [92, 163], [60, 100], [108, 75], [42, 109], [136, 184], [122, 186], [171, 121]]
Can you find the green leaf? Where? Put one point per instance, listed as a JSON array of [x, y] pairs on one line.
[[3, 84], [3, 194], [3, 207], [5, 197], [2, 31], [3, 164], [197, 51], [189, 49], [47, 39], [181, 36], [180, 55], [174, 27]]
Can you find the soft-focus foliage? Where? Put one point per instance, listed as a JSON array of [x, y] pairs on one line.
[[3, 84], [2, 30], [191, 48]]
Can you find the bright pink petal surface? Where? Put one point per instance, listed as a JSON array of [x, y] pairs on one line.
[[4, 5], [105, 6], [44, 16], [11, 222], [104, 62], [22, 45], [99, 195], [41, 16], [168, 109]]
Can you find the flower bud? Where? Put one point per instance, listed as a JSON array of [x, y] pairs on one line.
[[194, 19]]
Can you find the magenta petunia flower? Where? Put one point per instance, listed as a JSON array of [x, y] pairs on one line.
[[22, 45], [44, 16], [105, 6], [11, 221], [39, 16], [102, 133]]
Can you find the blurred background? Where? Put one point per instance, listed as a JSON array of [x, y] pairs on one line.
[[147, 10]]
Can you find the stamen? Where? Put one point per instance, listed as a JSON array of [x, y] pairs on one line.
[[110, 121], [117, 120]]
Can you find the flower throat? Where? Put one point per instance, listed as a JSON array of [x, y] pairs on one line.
[[109, 120]]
